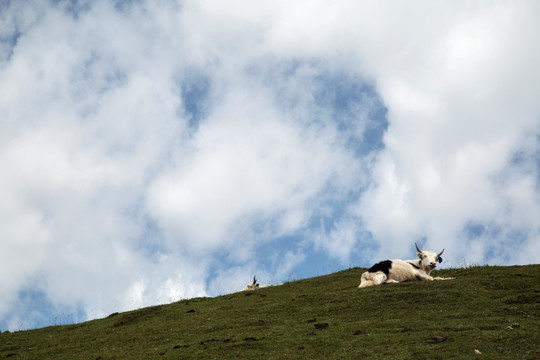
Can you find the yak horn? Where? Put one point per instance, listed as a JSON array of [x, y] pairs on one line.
[[417, 249], [439, 254]]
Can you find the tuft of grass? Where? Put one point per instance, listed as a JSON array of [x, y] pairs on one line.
[[494, 310]]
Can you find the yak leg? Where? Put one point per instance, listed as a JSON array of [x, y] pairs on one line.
[[369, 279]]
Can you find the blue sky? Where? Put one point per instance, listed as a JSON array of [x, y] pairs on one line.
[[153, 151]]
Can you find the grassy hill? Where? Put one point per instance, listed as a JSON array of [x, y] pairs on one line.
[[495, 310]]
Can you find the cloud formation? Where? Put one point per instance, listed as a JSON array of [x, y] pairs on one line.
[[153, 151]]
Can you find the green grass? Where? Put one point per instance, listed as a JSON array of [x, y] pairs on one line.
[[415, 320]]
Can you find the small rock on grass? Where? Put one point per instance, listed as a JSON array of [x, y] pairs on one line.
[[321, 325], [436, 339]]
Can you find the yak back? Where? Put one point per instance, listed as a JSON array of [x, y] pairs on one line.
[[383, 266]]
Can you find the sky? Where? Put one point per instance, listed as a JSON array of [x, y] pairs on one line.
[[159, 150]]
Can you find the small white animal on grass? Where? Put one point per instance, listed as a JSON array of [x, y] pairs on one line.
[[251, 286], [394, 271]]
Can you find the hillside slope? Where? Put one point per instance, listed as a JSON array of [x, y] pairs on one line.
[[495, 310]]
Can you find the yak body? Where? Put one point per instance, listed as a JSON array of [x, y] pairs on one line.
[[254, 285], [397, 270]]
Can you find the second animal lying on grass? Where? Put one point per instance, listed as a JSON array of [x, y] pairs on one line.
[[393, 271], [254, 285]]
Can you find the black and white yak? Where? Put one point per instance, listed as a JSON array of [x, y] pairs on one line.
[[394, 271]]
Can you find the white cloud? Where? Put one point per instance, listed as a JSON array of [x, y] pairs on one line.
[[248, 161], [456, 122]]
